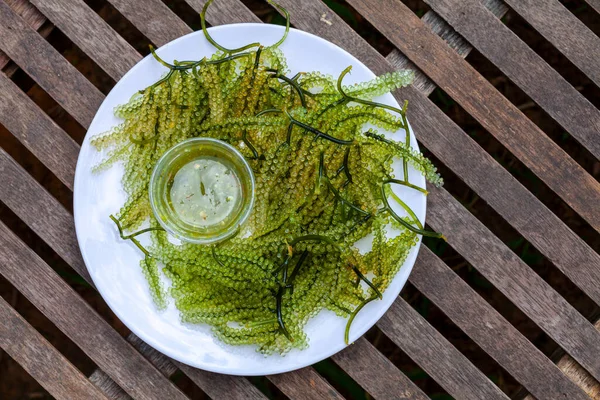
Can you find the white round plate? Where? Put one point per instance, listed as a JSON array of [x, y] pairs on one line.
[[114, 264]]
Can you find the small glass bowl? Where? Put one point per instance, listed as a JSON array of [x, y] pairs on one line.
[[197, 151]]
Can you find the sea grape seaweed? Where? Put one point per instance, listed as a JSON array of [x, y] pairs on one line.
[[322, 183]]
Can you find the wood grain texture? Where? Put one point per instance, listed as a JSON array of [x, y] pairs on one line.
[[375, 373], [31, 16], [449, 35], [485, 176], [494, 334], [48, 67], [440, 359], [76, 319], [573, 370], [42, 361], [507, 272], [565, 31], [161, 25], [219, 386], [224, 12], [91, 34], [295, 384], [528, 70], [493, 111], [42, 136], [521, 209], [41, 212]]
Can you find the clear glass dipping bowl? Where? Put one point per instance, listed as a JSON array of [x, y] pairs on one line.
[[188, 158]]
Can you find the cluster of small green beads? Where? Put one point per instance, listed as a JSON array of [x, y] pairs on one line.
[[317, 82], [415, 158], [150, 271], [243, 285], [381, 85]]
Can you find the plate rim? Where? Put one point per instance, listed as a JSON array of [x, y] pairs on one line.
[[156, 344]]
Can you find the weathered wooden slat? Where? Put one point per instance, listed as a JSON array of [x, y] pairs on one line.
[[41, 212], [548, 310], [525, 68], [375, 373], [161, 24], [485, 176], [565, 31], [42, 361], [48, 67], [494, 334], [493, 111], [578, 375], [435, 354], [219, 386], [32, 17], [73, 316], [453, 39], [295, 385], [225, 11], [33, 128], [507, 272], [91, 34]]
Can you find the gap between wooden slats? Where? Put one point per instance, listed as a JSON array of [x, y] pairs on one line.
[[225, 11], [595, 5], [565, 31], [526, 69], [73, 316], [493, 111], [59, 78], [42, 361]]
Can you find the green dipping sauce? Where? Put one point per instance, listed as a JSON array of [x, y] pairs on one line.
[[205, 192], [202, 190]]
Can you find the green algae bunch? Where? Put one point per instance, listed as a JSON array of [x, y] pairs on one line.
[[322, 184]]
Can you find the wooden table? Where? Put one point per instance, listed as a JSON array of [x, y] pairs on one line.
[[435, 46]]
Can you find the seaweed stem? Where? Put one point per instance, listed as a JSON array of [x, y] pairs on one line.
[[353, 315], [368, 282], [212, 41], [402, 221], [287, 22]]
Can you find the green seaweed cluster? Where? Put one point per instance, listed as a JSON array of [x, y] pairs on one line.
[[322, 184]]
